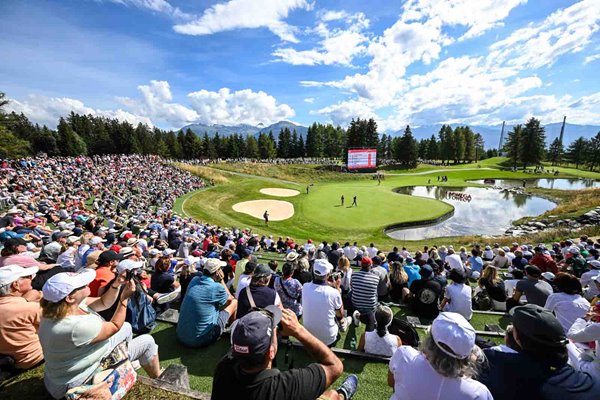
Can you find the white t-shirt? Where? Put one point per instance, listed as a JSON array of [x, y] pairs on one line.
[[319, 303], [455, 262], [459, 295], [415, 379], [351, 252], [586, 280], [567, 308], [242, 283], [372, 251], [383, 346]]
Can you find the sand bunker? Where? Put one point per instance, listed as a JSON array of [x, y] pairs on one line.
[[278, 210], [280, 192]]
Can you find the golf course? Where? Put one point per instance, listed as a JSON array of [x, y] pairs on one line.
[[318, 213]]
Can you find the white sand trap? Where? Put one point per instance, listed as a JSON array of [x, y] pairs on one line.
[[280, 192], [278, 210]]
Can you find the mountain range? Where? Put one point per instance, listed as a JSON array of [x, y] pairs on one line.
[[490, 133]]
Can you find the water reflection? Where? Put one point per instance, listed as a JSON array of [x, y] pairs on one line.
[[560, 183], [489, 212]]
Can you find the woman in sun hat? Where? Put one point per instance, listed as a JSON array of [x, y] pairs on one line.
[[447, 362], [75, 339]]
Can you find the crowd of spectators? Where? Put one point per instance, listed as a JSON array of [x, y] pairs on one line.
[[92, 252]]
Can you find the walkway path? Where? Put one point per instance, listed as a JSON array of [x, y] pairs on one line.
[[433, 171]]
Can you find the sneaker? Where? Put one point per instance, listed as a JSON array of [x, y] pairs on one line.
[[349, 387], [344, 323], [168, 297], [355, 318]]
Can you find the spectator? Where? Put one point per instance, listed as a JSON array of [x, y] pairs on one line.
[[575, 262], [289, 290], [543, 261], [567, 303], [164, 282], [253, 349], [519, 262], [494, 286], [425, 294], [207, 307], [245, 278], [394, 255], [412, 271], [75, 339], [454, 261], [586, 329], [105, 272], [536, 290], [19, 318], [540, 369], [380, 342], [364, 295], [510, 283], [258, 293], [447, 363], [322, 304], [501, 260], [475, 262], [384, 283], [591, 290], [457, 297], [399, 282]]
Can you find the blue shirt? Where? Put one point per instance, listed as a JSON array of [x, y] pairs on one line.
[[476, 263], [413, 273], [199, 312]]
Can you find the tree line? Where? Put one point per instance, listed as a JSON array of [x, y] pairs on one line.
[[526, 146]]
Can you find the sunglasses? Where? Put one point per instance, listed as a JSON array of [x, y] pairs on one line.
[[267, 314]]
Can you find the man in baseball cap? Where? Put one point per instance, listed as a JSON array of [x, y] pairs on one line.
[[246, 371], [586, 279], [105, 272], [207, 307], [540, 369], [19, 317]]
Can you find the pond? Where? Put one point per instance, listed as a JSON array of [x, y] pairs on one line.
[[490, 211], [558, 183]]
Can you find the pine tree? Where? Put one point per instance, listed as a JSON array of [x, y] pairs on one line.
[[408, 149], [592, 152], [251, 150], [533, 144], [432, 149], [513, 144], [576, 151], [555, 152], [469, 144], [479, 147]]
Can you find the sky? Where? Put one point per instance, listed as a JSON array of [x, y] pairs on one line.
[[169, 63]]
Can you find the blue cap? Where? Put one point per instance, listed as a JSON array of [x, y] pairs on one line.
[[253, 333]]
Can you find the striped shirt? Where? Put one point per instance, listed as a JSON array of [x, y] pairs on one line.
[[364, 290]]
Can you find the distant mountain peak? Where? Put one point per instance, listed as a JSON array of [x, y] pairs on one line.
[[244, 129]]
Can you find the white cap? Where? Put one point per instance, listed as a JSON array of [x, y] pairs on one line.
[[574, 250], [595, 264], [212, 265], [128, 265], [95, 240], [191, 260], [475, 275], [132, 242], [73, 239], [61, 285], [549, 276], [11, 273], [126, 251], [153, 252], [455, 333], [168, 252], [322, 267]]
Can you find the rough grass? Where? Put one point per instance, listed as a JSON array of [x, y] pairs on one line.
[[301, 173], [205, 173]]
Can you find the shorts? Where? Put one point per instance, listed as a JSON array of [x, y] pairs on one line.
[[222, 321]]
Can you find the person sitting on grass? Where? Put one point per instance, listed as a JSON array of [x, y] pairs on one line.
[[540, 370], [258, 293], [536, 290], [207, 307], [445, 366], [289, 290], [585, 330], [75, 339], [399, 282], [364, 295], [425, 294], [380, 341], [247, 372], [457, 297], [567, 303]]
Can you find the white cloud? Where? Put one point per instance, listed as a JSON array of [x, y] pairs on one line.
[[242, 106], [159, 6], [238, 14], [156, 104], [539, 45], [477, 15], [47, 110], [343, 112], [338, 46], [591, 58], [309, 100]]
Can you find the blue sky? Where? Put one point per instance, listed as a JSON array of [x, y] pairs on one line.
[[173, 62]]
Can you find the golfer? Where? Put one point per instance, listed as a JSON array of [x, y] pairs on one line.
[[342, 200], [354, 202], [266, 217]]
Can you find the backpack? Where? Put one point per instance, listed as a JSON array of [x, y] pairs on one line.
[[140, 313], [406, 331], [482, 301]]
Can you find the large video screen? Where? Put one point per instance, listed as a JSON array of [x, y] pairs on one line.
[[362, 158]]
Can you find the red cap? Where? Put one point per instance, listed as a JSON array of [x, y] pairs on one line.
[[128, 236], [366, 261]]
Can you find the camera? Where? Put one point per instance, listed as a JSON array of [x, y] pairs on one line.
[[337, 275]]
